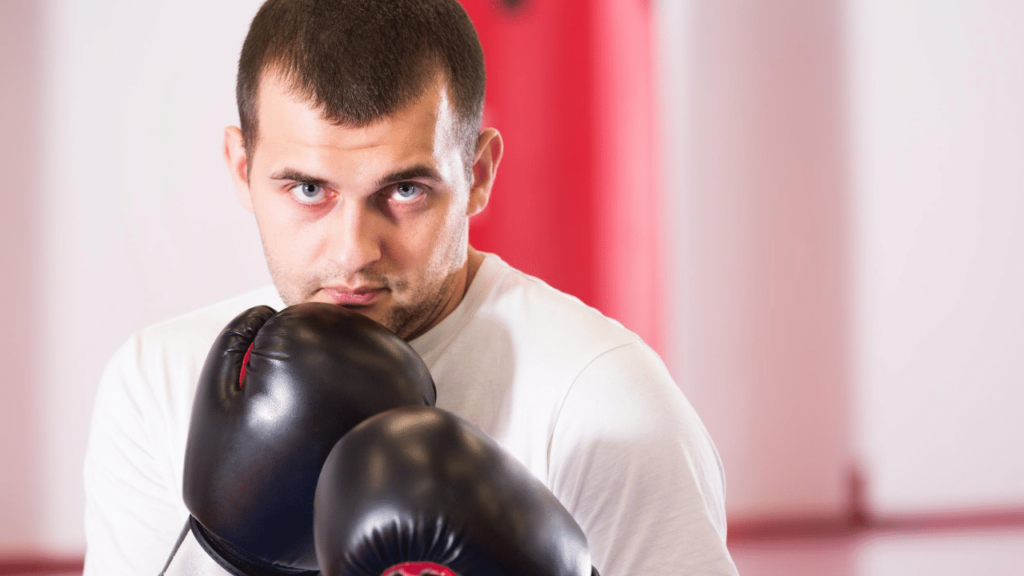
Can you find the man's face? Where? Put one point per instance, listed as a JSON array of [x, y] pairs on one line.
[[374, 218]]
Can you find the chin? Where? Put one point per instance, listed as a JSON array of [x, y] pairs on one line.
[[370, 313]]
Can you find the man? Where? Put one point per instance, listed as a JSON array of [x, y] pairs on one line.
[[361, 156]]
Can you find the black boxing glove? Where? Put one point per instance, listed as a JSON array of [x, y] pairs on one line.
[[418, 490], [276, 393]]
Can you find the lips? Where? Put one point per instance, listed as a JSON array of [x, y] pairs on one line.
[[353, 297]]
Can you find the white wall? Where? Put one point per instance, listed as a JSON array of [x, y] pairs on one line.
[[136, 216], [937, 101], [846, 183]]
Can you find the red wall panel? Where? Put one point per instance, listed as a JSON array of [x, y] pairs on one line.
[[569, 87]]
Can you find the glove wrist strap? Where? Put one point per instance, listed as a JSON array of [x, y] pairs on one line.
[[236, 562]]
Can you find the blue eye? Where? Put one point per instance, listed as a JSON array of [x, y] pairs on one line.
[[406, 192], [308, 193]]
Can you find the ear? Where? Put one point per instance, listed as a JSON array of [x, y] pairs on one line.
[[238, 164], [485, 167]]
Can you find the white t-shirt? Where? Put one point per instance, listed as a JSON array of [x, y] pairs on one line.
[[582, 402]]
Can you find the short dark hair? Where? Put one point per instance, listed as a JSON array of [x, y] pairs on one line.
[[362, 60]]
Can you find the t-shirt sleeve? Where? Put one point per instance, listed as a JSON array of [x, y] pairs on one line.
[[131, 520], [635, 466]]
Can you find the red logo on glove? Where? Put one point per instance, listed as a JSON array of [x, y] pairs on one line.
[[245, 363], [418, 569]]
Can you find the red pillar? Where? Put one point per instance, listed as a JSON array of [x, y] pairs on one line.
[[575, 203]]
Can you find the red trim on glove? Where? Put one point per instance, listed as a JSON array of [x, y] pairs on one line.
[[245, 362], [418, 569]]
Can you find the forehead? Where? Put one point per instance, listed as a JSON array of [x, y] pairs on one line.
[[288, 120]]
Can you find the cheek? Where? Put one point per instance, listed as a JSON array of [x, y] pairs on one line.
[[447, 230], [285, 240], [428, 249]]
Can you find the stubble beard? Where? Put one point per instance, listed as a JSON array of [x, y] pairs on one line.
[[404, 319], [408, 319]]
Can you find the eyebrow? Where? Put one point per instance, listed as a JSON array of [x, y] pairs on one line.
[[417, 171], [291, 174]]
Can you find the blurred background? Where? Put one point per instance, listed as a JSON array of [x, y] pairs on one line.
[[813, 209]]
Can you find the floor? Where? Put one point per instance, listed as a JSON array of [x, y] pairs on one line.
[[990, 551], [947, 551]]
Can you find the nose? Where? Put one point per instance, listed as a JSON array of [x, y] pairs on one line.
[[354, 237]]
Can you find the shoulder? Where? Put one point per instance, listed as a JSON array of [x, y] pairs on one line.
[[627, 393], [145, 393], [203, 325], [510, 319], [610, 359], [134, 458], [508, 356], [547, 315], [625, 420], [148, 366]]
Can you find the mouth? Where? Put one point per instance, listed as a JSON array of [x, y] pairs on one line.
[[353, 297]]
